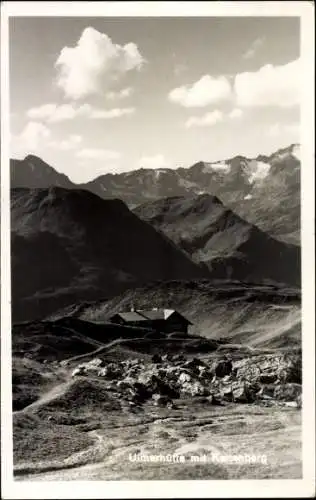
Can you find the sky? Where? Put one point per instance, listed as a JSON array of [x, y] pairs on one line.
[[98, 95]]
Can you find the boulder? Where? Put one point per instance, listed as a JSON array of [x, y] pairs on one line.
[[134, 362], [287, 392], [165, 389], [102, 372], [268, 378], [78, 371], [293, 371], [299, 401], [213, 400], [178, 358], [125, 383], [156, 358], [160, 400], [223, 368], [265, 392], [194, 363], [194, 389], [184, 377], [291, 404], [226, 393], [166, 357], [242, 394], [95, 362], [141, 391]]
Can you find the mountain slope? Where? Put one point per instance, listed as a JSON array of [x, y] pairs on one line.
[[247, 314], [69, 245], [32, 172], [265, 190], [215, 236]]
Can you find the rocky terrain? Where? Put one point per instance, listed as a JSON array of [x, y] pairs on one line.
[[91, 413], [265, 191]]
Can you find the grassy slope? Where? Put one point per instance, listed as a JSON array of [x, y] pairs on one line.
[[241, 429], [253, 315]]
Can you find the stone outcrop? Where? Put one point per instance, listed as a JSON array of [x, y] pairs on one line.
[[264, 377]]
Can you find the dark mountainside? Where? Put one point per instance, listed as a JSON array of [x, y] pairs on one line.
[[69, 246], [264, 191], [33, 172], [214, 235]]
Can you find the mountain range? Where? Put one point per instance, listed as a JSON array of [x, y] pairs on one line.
[[264, 191], [70, 245], [215, 236]]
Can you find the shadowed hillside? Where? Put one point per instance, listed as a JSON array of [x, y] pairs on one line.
[[69, 245], [214, 235], [33, 172]]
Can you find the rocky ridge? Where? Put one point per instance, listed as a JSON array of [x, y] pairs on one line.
[[262, 378]]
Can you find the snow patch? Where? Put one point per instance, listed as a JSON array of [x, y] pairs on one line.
[[159, 171], [248, 197], [257, 170], [186, 184], [219, 166]]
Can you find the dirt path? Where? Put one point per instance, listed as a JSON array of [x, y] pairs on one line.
[[55, 392], [103, 348], [239, 430]]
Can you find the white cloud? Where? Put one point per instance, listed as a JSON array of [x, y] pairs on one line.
[[94, 63], [207, 90], [67, 144], [281, 129], [31, 139], [249, 54], [98, 154], [120, 94], [206, 120], [155, 161], [236, 113], [58, 113], [53, 113], [42, 112], [269, 86], [110, 113]]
